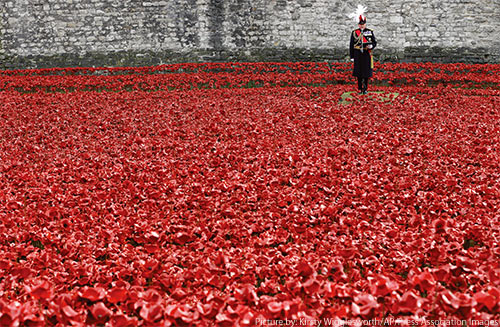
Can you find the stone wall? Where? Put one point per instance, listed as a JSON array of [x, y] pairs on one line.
[[50, 33]]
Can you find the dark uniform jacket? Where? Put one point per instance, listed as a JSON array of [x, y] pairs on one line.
[[360, 51]]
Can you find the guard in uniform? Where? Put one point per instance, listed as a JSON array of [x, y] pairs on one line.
[[362, 43]]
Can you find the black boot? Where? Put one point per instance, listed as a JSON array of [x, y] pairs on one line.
[[365, 86], [360, 85]]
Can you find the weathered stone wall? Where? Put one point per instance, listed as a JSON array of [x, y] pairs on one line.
[[48, 33]]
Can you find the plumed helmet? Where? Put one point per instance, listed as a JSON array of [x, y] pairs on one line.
[[359, 15]]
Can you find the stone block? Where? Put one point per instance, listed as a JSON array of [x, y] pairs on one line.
[[241, 29], [396, 19]]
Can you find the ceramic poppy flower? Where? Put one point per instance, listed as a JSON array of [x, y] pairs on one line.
[[234, 193]]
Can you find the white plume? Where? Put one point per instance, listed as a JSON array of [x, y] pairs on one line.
[[359, 11]]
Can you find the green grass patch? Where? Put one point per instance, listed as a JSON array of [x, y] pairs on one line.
[[348, 97]]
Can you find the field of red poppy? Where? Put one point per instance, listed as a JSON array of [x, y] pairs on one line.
[[249, 195]]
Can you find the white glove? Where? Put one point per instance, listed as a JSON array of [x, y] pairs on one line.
[[369, 46], [352, 59]]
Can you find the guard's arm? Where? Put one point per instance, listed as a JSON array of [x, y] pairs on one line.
[[351, 46], [374, 40]]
